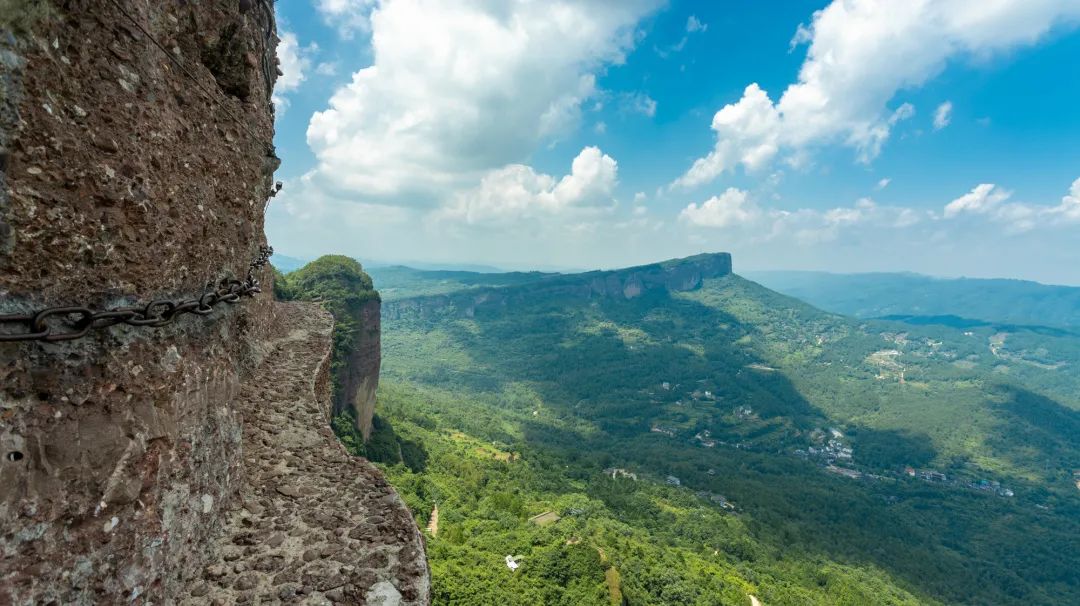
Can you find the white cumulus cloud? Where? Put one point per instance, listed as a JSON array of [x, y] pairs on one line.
[[294, 62], [348, 16], [981, 200], [461, 87], [993, 203], [861, 53], [1069, 209], [731, 208], [747, 133], [736, 211], [517, 191], [943, 115]]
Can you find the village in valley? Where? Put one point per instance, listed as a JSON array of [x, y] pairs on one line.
[[829, 448], [737, 425], [675, 482]]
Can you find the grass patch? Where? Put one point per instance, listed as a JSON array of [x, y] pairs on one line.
[[20, 16]]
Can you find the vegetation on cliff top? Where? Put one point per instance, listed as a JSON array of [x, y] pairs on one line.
[[342, 286], [338, 280]]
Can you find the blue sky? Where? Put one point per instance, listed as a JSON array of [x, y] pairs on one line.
[[858, 135]]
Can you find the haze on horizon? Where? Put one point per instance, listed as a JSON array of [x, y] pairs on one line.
[[845, 136]]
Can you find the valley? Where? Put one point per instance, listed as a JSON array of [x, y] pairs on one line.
[[717, 440]]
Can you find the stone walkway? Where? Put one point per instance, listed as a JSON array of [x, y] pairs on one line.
[[433, 522], [312, 525]]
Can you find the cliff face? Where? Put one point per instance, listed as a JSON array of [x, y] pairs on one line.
[[317, 524], [148, 464], [359, 376], [675, 275], [347, 292]]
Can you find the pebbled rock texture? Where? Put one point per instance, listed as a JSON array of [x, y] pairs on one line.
[[313, 524], [124, 180], [359, 378], [130, 174]]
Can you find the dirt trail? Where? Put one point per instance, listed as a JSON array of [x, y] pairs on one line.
[[313, 525], [433, 523]]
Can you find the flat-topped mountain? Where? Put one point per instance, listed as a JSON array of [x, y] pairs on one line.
[[466, 292]]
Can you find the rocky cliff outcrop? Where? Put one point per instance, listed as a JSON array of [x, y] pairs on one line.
[[359, 376], [135, 165], [630, 283], [317, 524], [346, 291]]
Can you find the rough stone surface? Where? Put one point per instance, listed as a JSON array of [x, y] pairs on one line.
[[383, 594], [359, 377], [123, 175], [339, 533], [126, 178], [123, 180]]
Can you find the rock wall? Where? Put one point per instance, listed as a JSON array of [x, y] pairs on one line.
[[675, 275], [317, 525], [128, 173], [359, 376]]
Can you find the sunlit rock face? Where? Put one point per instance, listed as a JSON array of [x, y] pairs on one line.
[[140, 464], [360, 375], [125, 178]]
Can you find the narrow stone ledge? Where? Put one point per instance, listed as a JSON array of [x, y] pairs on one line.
[[313, 524]]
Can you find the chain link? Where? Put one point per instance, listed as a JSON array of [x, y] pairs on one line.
[[66, 323]]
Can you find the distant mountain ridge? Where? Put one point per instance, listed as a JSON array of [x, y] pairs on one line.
[[401, 281], [875, 295], [468, 292], [285, 264]]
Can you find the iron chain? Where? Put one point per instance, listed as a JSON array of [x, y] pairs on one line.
[[66, 323]]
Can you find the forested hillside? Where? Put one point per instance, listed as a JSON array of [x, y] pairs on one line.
[[400, 282], [726, 441], [939, 300]]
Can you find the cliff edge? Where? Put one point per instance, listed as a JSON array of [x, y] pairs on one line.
[[313, 523], [360, 375], [347, 292], [136, 163]]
